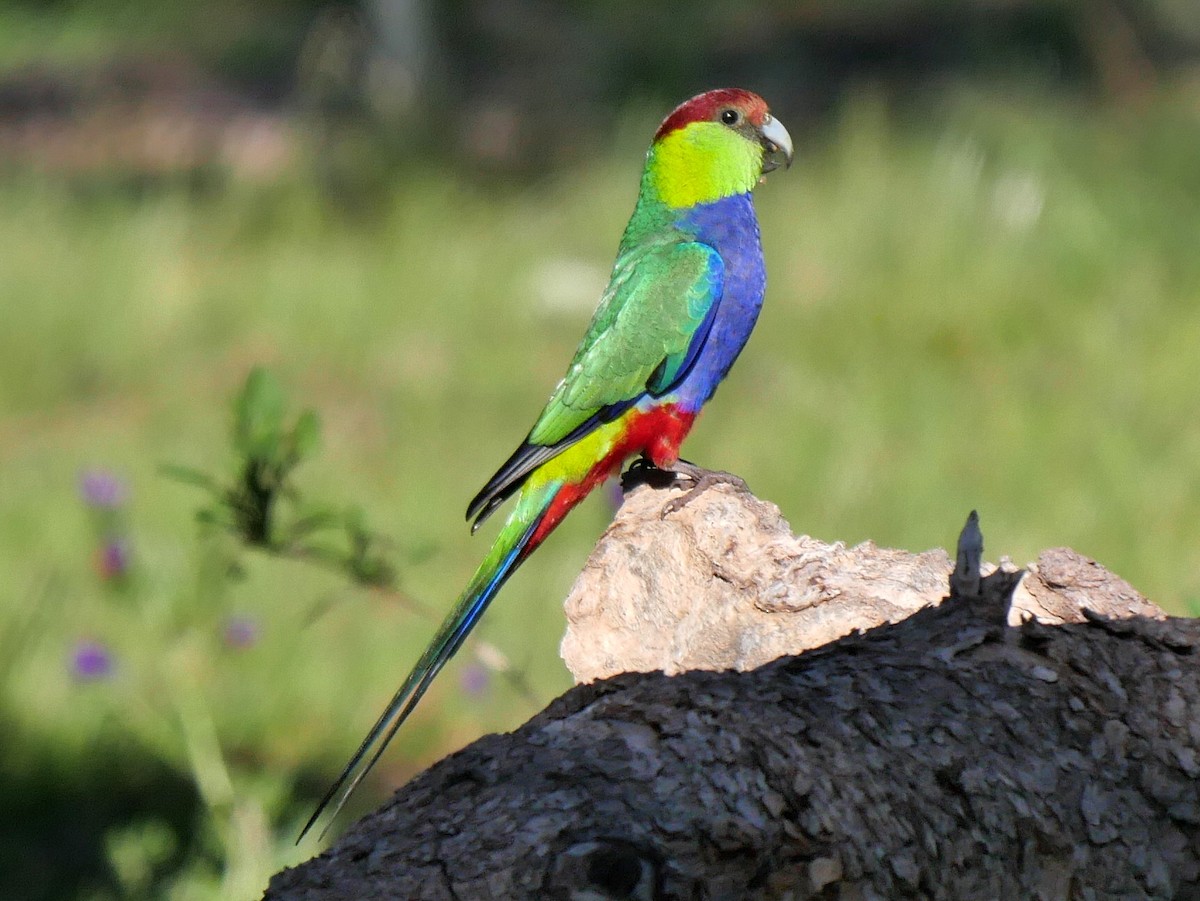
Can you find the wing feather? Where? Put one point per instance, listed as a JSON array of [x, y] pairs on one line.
[[650, 325]]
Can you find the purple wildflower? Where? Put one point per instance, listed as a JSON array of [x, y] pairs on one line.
[[112, 558], [102, 489], [91, 661], [240, 632], [475, 679]]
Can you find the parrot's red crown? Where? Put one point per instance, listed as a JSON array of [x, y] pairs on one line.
[[705, 107]]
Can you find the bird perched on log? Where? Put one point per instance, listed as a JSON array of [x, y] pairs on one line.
[[685, 291]]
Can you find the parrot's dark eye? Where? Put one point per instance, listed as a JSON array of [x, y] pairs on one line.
[[730, 117]]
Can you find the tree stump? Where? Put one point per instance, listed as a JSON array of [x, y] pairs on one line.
[[1034, 735]]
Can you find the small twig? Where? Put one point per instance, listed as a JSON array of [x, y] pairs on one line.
[[334, 562], [964, 582]]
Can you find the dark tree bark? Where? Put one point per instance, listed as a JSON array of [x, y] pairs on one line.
[[948, 755]]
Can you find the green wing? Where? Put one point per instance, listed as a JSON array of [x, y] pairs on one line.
[[651, 323]]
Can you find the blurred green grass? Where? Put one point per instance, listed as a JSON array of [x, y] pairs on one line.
[[989, 301]]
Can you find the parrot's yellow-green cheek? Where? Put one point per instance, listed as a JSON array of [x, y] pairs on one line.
[[703, 162]]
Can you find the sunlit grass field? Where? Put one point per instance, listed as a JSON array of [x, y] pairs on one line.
[[985, 301]]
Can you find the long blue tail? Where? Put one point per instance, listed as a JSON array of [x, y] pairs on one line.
[[511, 547]]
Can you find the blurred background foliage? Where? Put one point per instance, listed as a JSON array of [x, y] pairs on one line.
[[984, 286]]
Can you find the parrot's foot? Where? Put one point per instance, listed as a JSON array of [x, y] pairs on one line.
[[701, 479], [642, 472]]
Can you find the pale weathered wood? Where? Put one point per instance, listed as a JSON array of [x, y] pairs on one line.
[[724, 584], [948, 755]]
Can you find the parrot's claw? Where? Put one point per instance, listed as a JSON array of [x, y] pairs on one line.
[[701, 479], [642, 472]]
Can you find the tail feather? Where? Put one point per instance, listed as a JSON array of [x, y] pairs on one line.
[[522, 533]]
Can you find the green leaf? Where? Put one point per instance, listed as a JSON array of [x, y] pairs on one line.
[[311, 521], [373, 572], [306, 435], [189, 476], [258, 415], [208, 516], [354, 520]]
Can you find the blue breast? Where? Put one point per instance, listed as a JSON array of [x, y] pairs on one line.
[[729, 226]]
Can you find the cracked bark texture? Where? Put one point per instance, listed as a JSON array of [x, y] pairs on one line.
[[949, 755], [724, 584]]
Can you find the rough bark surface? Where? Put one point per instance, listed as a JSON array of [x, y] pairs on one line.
[[949, 755], [724, 584]]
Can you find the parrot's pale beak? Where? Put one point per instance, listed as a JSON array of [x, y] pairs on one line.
[[777, 142]]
